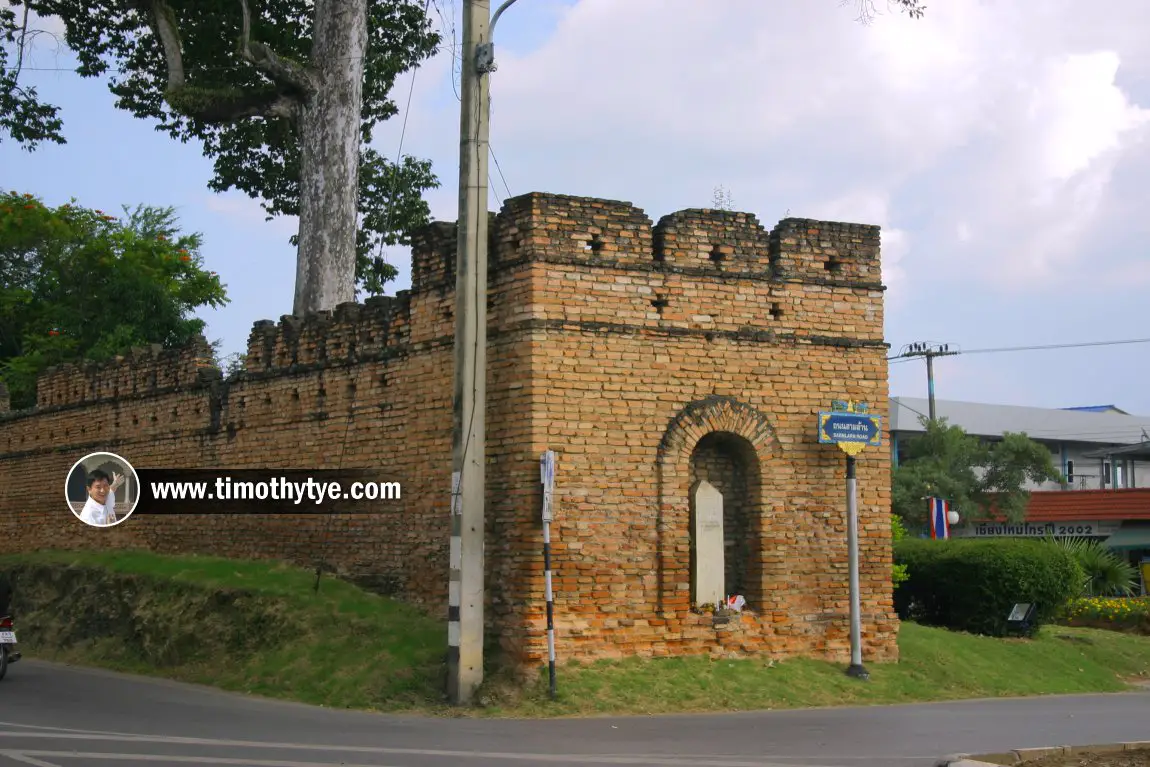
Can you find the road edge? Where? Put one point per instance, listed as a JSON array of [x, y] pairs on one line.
[[1023, 755]]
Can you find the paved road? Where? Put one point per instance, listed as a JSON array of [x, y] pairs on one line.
[[55, 716]]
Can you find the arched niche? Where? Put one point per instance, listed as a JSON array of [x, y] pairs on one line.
[[727, 444]]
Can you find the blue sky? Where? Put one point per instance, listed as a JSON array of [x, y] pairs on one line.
[[1002, 151]]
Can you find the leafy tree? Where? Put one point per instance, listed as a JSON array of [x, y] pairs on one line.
[[976, 477], [80, 284], [282, 94], [281, 99]]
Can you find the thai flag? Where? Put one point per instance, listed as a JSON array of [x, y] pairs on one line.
[[939, 526]]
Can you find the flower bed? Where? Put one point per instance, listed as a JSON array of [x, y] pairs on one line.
[[1115, 613]]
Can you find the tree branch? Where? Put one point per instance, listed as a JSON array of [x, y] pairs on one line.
[[281, 71], [162, 20], [20, 45], [226, 105]]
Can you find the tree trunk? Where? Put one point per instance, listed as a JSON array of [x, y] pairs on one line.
[[329, 129]]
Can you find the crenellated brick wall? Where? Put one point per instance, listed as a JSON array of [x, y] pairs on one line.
[[618, 343]]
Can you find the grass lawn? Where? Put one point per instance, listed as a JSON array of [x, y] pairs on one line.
[[261, 628]]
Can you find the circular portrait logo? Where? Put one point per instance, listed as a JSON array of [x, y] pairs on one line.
[[102, 489]]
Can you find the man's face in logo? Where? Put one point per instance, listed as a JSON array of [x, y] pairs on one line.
[[99, 490]]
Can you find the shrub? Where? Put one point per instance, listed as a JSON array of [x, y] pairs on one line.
[[971, 585]]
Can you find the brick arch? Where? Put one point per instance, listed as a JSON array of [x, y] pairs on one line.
[[710, 415], [717, 414]]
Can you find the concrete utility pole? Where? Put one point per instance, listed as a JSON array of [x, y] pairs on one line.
[[466, 590], [928, 351]]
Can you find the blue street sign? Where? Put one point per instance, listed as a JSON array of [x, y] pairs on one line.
[[839, 427]]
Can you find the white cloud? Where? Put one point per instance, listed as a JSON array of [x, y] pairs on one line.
[[1086, 113], [1001, 146], [1010, 120], [1037, 190]]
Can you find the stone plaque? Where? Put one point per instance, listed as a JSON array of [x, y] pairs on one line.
[[710, 573]]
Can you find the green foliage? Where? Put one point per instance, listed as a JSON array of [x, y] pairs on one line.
[[23, 116], [946, 462], [1015, 460], [78, 284], [226, 103], [899, 572], [1106, 573], [939, 462], [971, 585]]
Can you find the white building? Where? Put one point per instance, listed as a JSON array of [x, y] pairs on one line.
[[1094, 447]]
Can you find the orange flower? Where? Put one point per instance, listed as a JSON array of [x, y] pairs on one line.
[[185, 258]]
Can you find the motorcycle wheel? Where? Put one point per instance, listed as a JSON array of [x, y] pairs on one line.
[[3, 660]]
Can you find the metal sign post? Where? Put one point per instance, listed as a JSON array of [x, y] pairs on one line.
[[547, 477], [849, 426]]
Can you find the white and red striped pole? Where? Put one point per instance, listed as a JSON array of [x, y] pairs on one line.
[[547, 477]]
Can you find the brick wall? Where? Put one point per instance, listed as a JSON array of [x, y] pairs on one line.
[[617, 343]]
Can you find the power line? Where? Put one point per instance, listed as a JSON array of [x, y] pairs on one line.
[[1055, 346], [499, 169], [457, 56], [928, 352], [905, 357]]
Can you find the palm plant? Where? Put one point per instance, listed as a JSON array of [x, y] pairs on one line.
[[1107, 573]]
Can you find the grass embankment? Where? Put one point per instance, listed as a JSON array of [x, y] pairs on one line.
[[261, 628], [242, 626]]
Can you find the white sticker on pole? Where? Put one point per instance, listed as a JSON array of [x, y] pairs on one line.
[[547, 477], [547, 470], [456, 481], [455, 553]]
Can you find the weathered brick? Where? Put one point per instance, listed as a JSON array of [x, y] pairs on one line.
[[618, 344]]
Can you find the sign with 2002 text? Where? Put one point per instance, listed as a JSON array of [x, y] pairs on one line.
[[1035, 529]]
